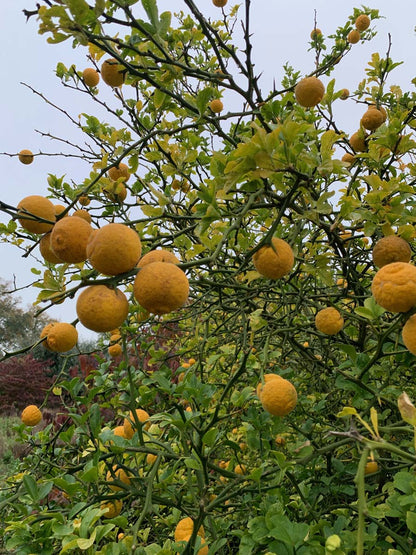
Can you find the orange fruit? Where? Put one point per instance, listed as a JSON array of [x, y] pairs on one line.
[[115, 337], [216, 105], [391, 248], [84, 200], [46, 250], [119, 431], [353, 36], [91, 77], [31, 209], [345, 93], [357, 141], [348, 158], [161, 287], [115, 350], [84, 214], [150, 459], [116, 192], [329, 321], [380, 109], [278, 397], [26, 156], [59, 208], [184, 529], [394, 287], [240, 469], [279, 440], [130, 424], [274, 261], [219, 3], [409, 334], [60, 336], [372, 119], [114, 249], [116, 172], [101, 309], [113, 508], [266, 378], [112, 73], [69, 238], [309, 92], [31, 415], [362, 22], [158, 255], [120, 474], [370, 467]]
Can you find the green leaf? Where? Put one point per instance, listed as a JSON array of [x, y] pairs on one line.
[[192, 463], [31, 487], [86, 543], [210, 437], [150, 7], [411, 521]]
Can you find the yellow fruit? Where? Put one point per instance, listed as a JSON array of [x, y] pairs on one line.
[[116, 192], [101, 309], [274, 261], [150, 459], [60, 336], [26, 156], [278, 397], [116, 172], [69, 238], [394, 287], [370, 467], [33, 207], [353, 36], [161, 287], [391, 248], [84, 200], [91, 77], [362, 22], [216, 105], [329, 321], [219, 3], [409, 334], [84, 214], [113, 508], [380, 109], [115, 337], [114, 249], [130, 425], [158, 255], [31, 415], [112, 73], [119, 431], [46, 250], [266, 378], [315, 33], [191, 361], [184, 529], [240, 469], [279, 440], [348, 158], [59, 208], [309, 92], [120, 474], [357, 142], [345, 93], [115, 350], [372, 119]]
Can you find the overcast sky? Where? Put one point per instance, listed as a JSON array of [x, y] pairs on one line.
[[280, 34]]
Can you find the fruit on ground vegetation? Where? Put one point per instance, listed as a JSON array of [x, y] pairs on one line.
[[31, 415], [216, 105], [158, 255], [114, 249], [100, 308], [161, 287], [202, 550], [278, 397], [116, 172], [409, 334], [60, 336], [362, 22], [394, 287], [113, 508], [32, 207], [26, 156], [309, 92], [329, 321], [184, 529], [112, 73], [130, 423], [391, 248], [274, 261], [91, 77], [69, 239]]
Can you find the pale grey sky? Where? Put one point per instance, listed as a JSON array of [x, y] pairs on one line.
[[280, 34]]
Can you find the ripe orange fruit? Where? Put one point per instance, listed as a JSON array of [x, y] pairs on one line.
[[116, 192], [315, 33], [309, 92], [91, 77], [161, 287], [345, 93], [266, 378], [130, 425], [26, 156], [115, 350], [191, 361], [274, 261], [372, 119], [46, 250], [119, 431], [112, 73], [33, 207], [216, 105], [84, 200], [362, 22], [380, 109], [219, 3], [391, 248], [370, 467], [69, 238], [120, 474], [31, 415], [394, 287], [60, 336], [353, 36], [280, 441], [84, 214], [114, 249], [184, 529], [329, 321], [348, 158], [101, 309], [409, 334], [278, 397], [150, 459], [113, 508], [59, 208], [240, 469], [158, 255], [116, 172], [357, 141]]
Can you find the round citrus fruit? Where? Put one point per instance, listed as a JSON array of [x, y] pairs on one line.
[[345, 93], [219, 3], [380, 109], [33, 208], [348, 158], [46, 250], [114, 249], [119, 474], [59, 208], [91, 77], [357, 141], [60, 336], [353, 36], [115, 350], [116, 192], [216, 105], [69, 238], [362, 22], [266, 378], [130, 425], [26, 156], [116, 172], [31, 415], [372, 119], [84, 214], [391, 248], [112, 73], [329, 321], [161, 287], [278, 397], [240, 469], [394, 287], [309, 92], [315, 33], [113, 508], [184, 529], [370, 467], [158, 255], [151, 458], [274, 261], [101, 309], [84, 200], [409, 334], [119, 431]]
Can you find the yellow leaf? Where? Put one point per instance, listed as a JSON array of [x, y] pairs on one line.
[[374, 420], [407, 409], [347, 411]]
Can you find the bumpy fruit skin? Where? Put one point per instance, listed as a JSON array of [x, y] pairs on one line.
[[309, 92], [216, 105], [278, 397], [394, 287], [60, 336], [329, 321], [114, 249], [184, 529], [391, 248], [266, 378], [353, 36], [274, 261], [345, 93], [370, 467], [31, 415], [26, 156], [84, 214], [348, 158], [151, 458], [240, 469], [409, 334], [158, 255], [114, 508], [46, 250], [129, 423], [116, 192], [115, 350], [91, 77], [119, 431], [372, 119], [121, 170], [380, 109], [36, 206], [101, 309], [112, 73], [120, 474], [219, 3], [161, 287], [84, 200], [69, 239], [357, 142], [315, 33], [362, 22]]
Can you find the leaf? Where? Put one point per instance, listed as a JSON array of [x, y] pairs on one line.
[[411, 521], [347, 411], [407, 409], [210, 437], [374, 420], [84, 543], [150, 7], [192, 463], [31, 487]]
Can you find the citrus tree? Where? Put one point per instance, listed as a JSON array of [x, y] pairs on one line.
[[249, 266]]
